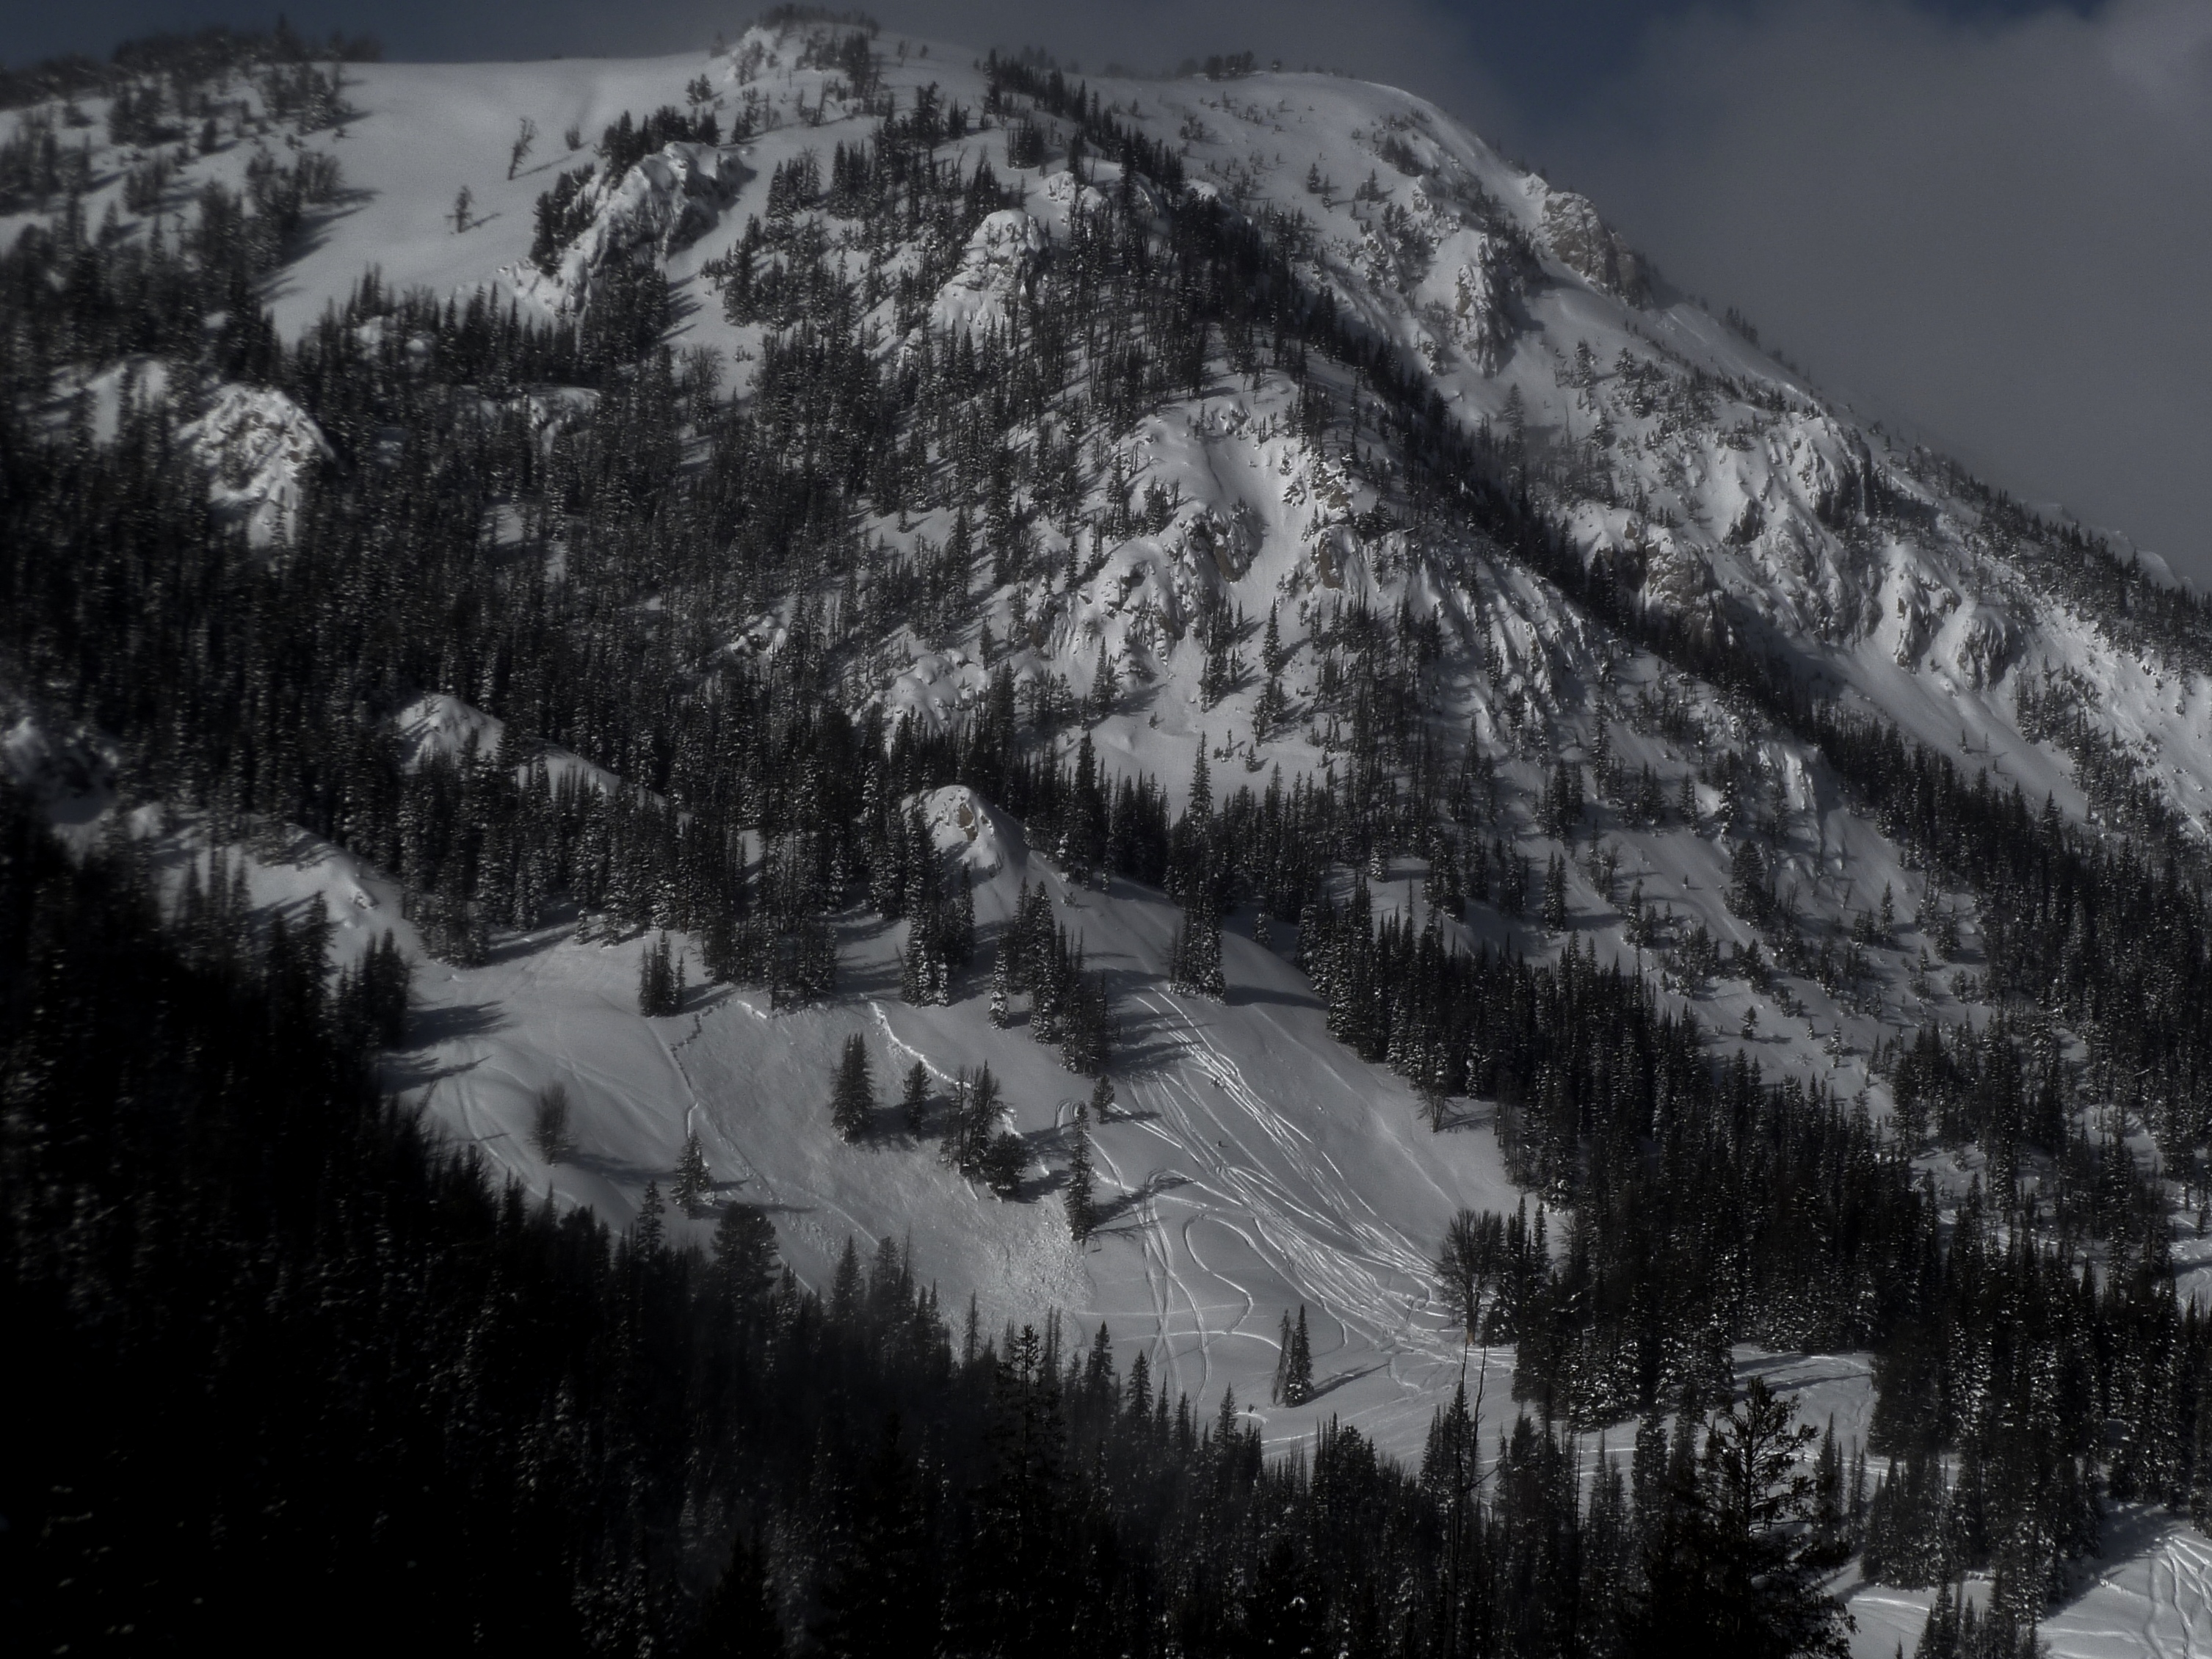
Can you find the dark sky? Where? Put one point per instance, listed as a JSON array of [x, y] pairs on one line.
[[1988, 220]]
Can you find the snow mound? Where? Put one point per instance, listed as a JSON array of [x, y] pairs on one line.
[[984, 840], [259, 445], [936, 687]]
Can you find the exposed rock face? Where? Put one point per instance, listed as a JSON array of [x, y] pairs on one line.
[[666, 201], [998, 258], [1579, 239]]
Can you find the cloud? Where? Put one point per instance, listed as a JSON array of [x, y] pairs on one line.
[[1999, 231]]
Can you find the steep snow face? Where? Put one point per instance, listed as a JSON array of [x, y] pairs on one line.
[[1707, 476], [258, 445], [1472, 283], [661, 204]]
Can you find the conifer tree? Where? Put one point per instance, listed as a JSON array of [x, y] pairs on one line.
[[649, 1228], [1555, 895], [744, 1256], [1082, 1214], [739, 1621], [852, 1096], [660, 980], [1194, 961], [1297, 1373], [918, 963], [1105, 684], [693, 1181], [1736, 1564], [914, 1103], [551, 1130]]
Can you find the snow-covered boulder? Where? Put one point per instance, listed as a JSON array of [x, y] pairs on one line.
[[965, 825], [936, 689], [1976, 643], [258, 444], [1470, 286], [440, 725]]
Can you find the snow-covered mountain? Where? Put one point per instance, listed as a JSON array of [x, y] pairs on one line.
[[1705, 507]]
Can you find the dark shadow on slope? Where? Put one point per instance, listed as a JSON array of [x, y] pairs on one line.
[[429, 1027], [1244, 996], [1120, 1215], [1331, 1384], [618, 1169], [1461, 1113]]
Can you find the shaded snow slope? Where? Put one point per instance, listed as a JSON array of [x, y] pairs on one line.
[[1250, 1164]]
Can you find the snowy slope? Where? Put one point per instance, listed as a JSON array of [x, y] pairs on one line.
[[1255, 1165]]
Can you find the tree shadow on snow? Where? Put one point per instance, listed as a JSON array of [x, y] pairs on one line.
[[1331, 1384], [1241, 995], [617, 1168], [429, 1027], [1120, 1215], [1461, 1113]]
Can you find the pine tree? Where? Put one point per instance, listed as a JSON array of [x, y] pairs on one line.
[[649, 1228], [1105, 684], [917, 963], [744, 1256], [1555, 895], [1082, 1214], [852, 1096], [739, 1621], [958, 945], [660, 980], [1736, 1564], [1001, 984], [914, 1103], [1298, 1374], [692, 1180], [1283, 1341], [1006, 1156], [550, 1130], [1194, 965], [882, 1598]]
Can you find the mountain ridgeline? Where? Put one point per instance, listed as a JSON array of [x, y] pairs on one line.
[[1554, 607]]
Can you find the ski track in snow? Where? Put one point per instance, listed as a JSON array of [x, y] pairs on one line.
[[2156, 1604], [1301, 1212]]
